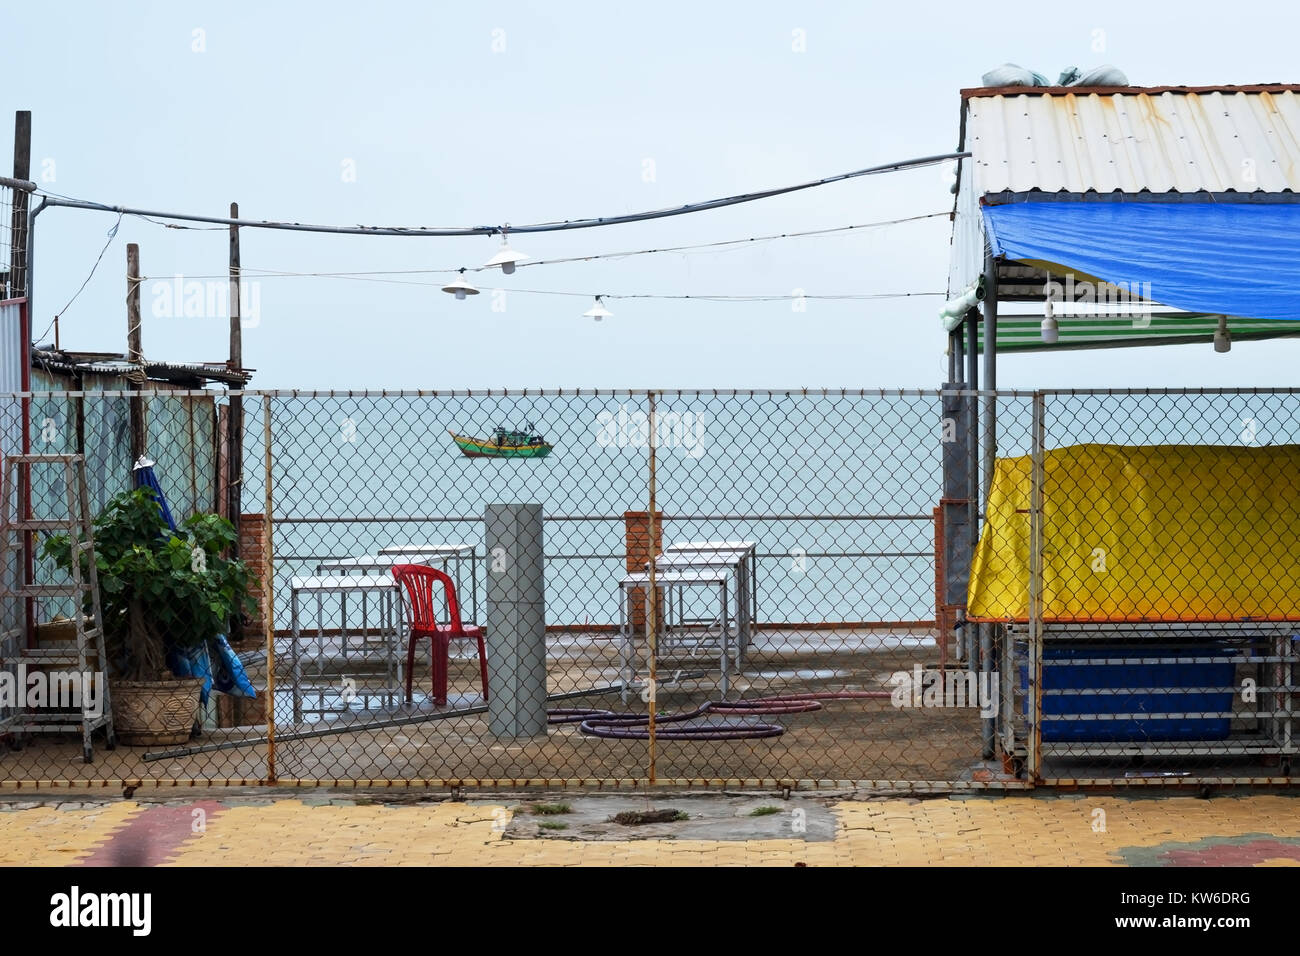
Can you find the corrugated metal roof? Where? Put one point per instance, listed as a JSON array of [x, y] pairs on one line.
[[183, 374], [1134, 141]]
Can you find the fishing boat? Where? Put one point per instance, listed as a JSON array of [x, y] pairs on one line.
[[504, 443]]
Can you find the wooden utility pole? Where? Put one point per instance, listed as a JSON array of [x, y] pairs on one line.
[[134, 347], [235, 432], [18, 217], [235, 419]]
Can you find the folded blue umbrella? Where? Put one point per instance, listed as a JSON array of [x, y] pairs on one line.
[[227, 672], [144, 477], [228, 677]]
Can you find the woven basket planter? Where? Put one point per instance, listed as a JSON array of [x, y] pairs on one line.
[[155, 712]]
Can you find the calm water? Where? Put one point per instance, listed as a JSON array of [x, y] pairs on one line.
[[728, 467]]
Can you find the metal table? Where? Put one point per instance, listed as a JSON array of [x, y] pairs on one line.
[[733, 562], [385, 589], [719, 578], [366, 564], [712, 547]]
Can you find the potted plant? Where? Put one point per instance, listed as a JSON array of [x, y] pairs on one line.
[[161, 592]]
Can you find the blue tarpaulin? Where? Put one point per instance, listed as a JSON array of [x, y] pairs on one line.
[[1236, 259]]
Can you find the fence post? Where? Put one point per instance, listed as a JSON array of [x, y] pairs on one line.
[[1034, 743], [268, 592], [652, 619]]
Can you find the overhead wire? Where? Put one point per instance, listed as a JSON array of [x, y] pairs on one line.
[[54, 199], [112, 234], [724, 244]]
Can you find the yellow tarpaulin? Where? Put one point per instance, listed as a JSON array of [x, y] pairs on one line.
[[1145, 533]]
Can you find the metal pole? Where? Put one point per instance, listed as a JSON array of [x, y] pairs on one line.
[[971, 631], [362, 727], [652, 623], [268, 592], [989, 724], [990, 369], [1035, 664], [30, 260]]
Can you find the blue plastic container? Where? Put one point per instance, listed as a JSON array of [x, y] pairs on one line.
[[1065, 718]]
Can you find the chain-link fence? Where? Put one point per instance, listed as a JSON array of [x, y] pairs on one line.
[[12, 231], [1140, 570], [689, 588]]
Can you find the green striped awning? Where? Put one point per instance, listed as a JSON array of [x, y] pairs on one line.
[[1024, 334]]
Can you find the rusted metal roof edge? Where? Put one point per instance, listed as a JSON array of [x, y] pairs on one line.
[[980, 91]]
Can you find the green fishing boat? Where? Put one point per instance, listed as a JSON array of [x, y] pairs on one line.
[[504, 443]]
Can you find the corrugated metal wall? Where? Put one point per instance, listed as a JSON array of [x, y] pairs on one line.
[[968, 241], [181, 443], [181, 440], [13, 360]]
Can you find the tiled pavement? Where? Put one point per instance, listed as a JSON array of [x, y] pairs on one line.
[[332, 829]]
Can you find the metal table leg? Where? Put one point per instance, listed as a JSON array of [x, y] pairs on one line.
[[724, 637], [624, 643], [295, 670]]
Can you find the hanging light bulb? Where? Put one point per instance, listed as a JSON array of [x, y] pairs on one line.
[[460, 288], [1222, 337], [1050, 328], [507, 257], [598, 311]]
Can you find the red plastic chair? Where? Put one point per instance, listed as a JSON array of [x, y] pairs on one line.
[[419, 581]]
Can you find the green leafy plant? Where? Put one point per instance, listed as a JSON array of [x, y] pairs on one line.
[[159, 590]]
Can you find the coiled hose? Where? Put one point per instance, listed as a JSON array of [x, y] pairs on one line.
[[613, 725]]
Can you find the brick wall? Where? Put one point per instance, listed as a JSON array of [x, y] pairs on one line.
[[639, 551], [252, 549]]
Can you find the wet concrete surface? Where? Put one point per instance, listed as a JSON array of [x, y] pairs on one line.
[[715, 817]]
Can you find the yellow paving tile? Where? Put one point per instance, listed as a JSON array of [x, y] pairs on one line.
[[1066, 831]]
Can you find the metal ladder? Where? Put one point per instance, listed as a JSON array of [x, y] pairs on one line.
[[13, 588]]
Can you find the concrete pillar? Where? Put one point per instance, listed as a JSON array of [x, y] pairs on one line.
[[516, 621]]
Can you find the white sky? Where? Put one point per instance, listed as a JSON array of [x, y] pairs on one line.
[[444, 130]]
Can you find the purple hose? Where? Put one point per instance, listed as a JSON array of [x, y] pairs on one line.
[[611, 725]]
